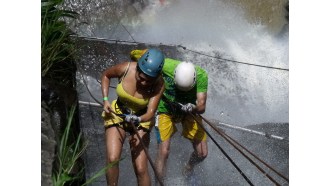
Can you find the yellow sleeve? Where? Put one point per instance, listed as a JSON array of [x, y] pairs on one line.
[[136, 54]]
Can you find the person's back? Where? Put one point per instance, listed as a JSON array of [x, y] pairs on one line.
[[173, 94], [185, 95]]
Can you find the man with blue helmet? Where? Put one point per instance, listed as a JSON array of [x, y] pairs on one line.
[[139, 90]]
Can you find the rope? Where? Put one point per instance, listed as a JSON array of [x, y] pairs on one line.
[[128, 32], [226, 137], [233, 61], [223, 151], [216, 129], [185, 48], [119, 22]]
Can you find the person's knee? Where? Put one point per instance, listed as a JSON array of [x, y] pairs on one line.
[[112, 159], [199, 156], [164, 152], [141, 170], [202, 155]]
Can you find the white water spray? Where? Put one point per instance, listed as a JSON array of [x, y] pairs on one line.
[[226, 29], [244, 94]]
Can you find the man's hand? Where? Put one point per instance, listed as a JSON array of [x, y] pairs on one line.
[[131, 118], [188, 108]]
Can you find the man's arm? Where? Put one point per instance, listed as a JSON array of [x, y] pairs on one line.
[[200, 103]]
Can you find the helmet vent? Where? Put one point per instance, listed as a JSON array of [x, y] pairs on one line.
[[151, 62], [146, 58]]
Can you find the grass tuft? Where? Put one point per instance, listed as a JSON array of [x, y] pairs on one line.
[[57, 48], [68, 154]]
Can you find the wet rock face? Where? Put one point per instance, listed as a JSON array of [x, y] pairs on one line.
[[48, 144], [57, 98], [55, 101], [51, 97]]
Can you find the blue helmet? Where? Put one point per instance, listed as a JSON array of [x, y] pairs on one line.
[[151, 62]]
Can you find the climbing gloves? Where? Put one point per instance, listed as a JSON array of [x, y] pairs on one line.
[[188, 107], [131, 118]]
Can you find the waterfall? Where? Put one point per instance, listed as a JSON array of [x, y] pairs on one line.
[[244, 31]]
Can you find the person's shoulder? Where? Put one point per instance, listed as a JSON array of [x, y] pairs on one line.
[[127, 64], [120, 68], [170, 64], [170, 60], [201, 70]]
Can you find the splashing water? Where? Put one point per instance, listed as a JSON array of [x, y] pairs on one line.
[[247, 94], [227, 29]]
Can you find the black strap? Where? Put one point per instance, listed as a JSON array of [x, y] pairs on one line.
[[126, 70], [125, 110]]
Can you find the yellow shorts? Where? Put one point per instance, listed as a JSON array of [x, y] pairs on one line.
[[165, 127], [111, 119]]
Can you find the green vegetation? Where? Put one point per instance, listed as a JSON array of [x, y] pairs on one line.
[[57, 65], [69, 151], [57, 48], [68, 155]]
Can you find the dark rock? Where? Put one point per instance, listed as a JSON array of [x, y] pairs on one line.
[[48, 144]]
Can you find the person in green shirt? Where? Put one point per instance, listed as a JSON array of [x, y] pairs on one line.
[[185, 92]]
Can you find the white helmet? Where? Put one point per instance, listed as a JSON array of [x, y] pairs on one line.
[[185, 76]]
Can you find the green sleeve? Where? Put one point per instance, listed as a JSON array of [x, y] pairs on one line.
[[202, 80]]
